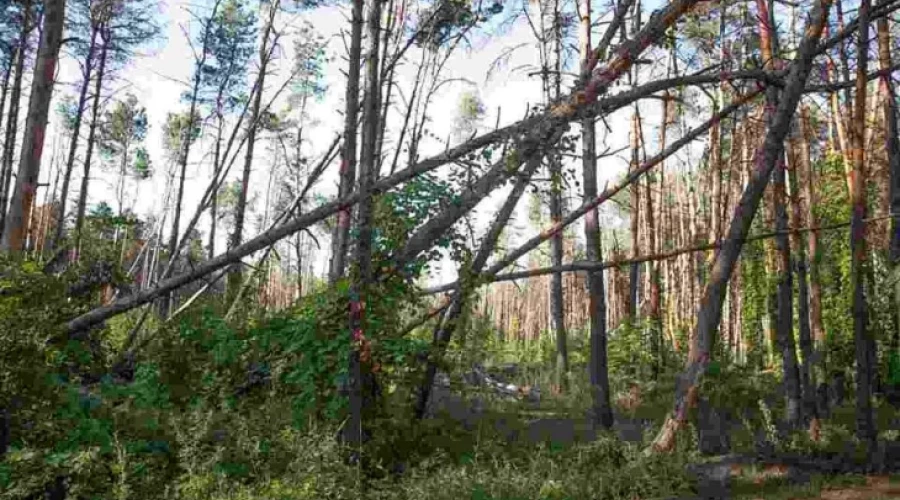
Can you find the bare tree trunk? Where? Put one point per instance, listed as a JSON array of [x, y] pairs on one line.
[[73, 141], [599, 368], [35, 126], [92, 135], [236, 275], [865, 424], [815, 287], [714, 296], [214, 200], [12, 120], [361, 378], [341, 237], [784, 327], [634, 274], [807, 380]]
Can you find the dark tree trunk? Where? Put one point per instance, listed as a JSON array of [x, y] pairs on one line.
[[807, 381], [598, 366], [92, 136], [362, 381], [341, 237], [889, 108], [35, 126], [865, 424]]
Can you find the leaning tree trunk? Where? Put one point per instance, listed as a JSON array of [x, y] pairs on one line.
[[865, 424], [35, 126], [73, 141], [767, 156], [341, 238], [598, 365]]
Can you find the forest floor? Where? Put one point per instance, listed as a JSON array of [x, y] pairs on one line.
[[511, 406]]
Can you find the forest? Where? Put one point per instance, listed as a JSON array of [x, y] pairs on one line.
[[449, 249]]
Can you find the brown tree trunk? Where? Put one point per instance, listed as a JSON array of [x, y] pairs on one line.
[[73, 141], [889, 108], [341, 236], [807, 380], [816, 324], [865, 424], [35, 126]]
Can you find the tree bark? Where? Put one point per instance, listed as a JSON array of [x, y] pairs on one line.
[[35, 126], [598, 365], [341, 236], [767, 156], [865, 424], [361, 377]]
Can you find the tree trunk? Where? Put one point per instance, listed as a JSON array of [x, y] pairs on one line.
[[889, 108], [767, 156], [3, 95], [816, 324], [598, 366], [784, 327], [214, 201], [12, 120], [73, 141], [865, 424], [341, 237], [236, 275], [361, 378], [92, 135], [807, 381], [35, 126], [634, 274]]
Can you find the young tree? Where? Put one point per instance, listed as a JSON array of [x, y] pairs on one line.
[[224, 84], [122, 131]]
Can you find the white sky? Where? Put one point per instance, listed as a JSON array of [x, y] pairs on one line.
[[158, 80]]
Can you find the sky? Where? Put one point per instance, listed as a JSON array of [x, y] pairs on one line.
[[159, 77]]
